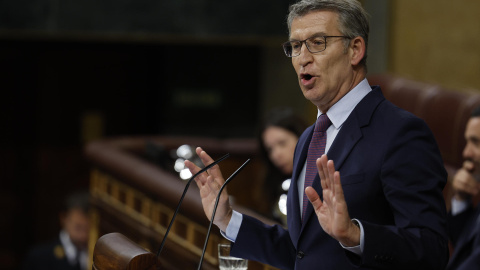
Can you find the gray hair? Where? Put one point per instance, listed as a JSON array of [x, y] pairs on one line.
[[353, 19]]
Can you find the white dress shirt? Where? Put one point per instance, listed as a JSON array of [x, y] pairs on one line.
[[71, 252]]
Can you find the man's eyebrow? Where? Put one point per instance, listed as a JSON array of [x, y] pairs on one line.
[[319, 34]]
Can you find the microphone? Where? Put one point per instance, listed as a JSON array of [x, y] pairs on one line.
[[215, 210], [183, 195]]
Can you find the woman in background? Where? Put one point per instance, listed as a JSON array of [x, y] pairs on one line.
[[278, 137]]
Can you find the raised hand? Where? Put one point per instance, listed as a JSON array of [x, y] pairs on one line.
[[464, 183], [333, 213], [209, 184]]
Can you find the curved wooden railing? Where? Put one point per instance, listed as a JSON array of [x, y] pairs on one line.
[[134, 196]]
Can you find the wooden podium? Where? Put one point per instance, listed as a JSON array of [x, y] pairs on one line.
[[114, 251]]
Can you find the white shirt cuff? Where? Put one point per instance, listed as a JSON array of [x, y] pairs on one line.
[[357, 249], [458, 206], [233, 227]]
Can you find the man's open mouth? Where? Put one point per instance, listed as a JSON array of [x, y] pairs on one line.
[[306, 76]]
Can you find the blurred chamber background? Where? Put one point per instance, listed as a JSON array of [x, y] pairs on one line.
[[73, 71]]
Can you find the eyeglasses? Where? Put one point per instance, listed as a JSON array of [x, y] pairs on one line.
[[314, 44]]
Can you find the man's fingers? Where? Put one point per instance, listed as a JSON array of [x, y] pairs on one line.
[[464, 181], [331, 172], [339, 196], [468, 165], [194, 169], [207, 160], [191, 166], [313, 197], [321, 172]]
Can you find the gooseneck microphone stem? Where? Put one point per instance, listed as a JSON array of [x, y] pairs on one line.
[[215, 210], [183, 195]]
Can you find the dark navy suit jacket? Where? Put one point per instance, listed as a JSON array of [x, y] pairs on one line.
[[464, 231], [48, 256], [392, 175]]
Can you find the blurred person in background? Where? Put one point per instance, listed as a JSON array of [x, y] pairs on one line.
[[278, 136], [70, 249], [464, 217]]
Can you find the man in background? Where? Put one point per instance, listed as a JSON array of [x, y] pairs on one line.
[[69, 251], [464, 219]]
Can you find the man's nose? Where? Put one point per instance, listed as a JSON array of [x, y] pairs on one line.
[[305, 56], [467, 152]]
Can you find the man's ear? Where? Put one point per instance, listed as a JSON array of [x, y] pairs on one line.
[[357, 50]]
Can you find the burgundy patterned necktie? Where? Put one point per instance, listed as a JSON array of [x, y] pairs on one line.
[[315, 150]]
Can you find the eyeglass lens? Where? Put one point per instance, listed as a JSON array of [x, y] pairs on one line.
[[314, 44]]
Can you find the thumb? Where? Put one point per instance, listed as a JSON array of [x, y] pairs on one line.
[[313, 197], [468, 165]]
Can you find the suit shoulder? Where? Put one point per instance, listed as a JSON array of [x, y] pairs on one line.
[[46, 251], [376, 111], [395, 114]]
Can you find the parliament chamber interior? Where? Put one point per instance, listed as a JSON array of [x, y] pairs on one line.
[[101, 98]]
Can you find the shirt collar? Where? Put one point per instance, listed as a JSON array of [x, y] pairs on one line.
[[340, 111], [69, 247]]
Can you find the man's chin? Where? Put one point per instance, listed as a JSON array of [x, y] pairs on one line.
[[310, 94]]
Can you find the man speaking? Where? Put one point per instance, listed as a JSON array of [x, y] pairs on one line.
[[367, 176]]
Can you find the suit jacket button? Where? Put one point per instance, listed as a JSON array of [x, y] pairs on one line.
[[300, 254]]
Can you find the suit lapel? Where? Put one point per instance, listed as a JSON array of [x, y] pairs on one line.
[[338, 152], [293, 211], [348, 136], [351, 131], [464, 243], [346, 139], [472, 229]]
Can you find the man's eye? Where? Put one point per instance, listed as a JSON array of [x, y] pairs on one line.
[[476, 142], [317, 41], [296, 45]]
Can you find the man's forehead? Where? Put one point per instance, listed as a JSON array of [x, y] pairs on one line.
[[322, 22], [473, 127]]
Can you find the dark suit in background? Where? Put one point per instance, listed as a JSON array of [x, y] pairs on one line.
[[48, 256], [464, 232]]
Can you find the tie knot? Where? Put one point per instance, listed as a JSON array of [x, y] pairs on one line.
[[322, 123]]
